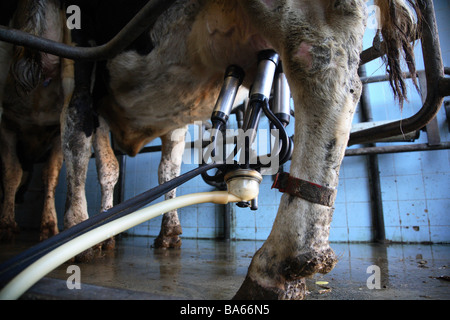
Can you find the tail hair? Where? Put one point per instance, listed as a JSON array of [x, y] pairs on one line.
[[26, 67], [400, 27]]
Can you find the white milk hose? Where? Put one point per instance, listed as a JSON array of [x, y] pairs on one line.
[[33, 273]]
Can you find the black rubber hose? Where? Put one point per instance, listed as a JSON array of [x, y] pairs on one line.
[[286, 149], [15, 265], [286, 143]]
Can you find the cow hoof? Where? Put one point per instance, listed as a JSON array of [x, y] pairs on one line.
[[252, 290], [166, 242], [48, 230], [8, 231], [96, 251], [85, 256], [310, 263], [290, 284], [109, 244]]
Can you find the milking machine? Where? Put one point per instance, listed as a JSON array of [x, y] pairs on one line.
[[269, 95], [269, 76]]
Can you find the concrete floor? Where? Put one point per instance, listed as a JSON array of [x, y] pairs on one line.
[[214, 270]]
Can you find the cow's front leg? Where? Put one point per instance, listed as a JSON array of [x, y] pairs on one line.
[[107, 170], [12, 176], [320, 57], [173, 145], [50, 174]]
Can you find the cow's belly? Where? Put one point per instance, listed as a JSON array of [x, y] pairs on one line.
[[179, 81], [150, 99]]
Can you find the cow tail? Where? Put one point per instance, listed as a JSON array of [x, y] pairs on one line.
[[400, 22], [26, 67]]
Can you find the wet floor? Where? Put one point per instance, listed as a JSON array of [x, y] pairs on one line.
[[214, 270]]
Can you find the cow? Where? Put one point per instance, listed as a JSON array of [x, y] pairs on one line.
[[171, 76], [7, 9], [33, 89]]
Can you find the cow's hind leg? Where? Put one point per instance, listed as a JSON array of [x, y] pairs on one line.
[[107, 170], [5, 61], [77, 151], [50, 174], [77, 128], [320, 52], [173, 145], [12, 176]]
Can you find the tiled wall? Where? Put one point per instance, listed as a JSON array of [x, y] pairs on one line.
[[415, 186]]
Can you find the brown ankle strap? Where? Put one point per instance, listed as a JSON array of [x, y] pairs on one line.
[[304, 189]]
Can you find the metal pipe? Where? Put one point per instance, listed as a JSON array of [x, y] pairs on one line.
[[372, 53], [396, 149], [434, 70], [228, 212], [143, 20], [375, 52], [348, 152], [444, 87], [382, 78], [376, 202]]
